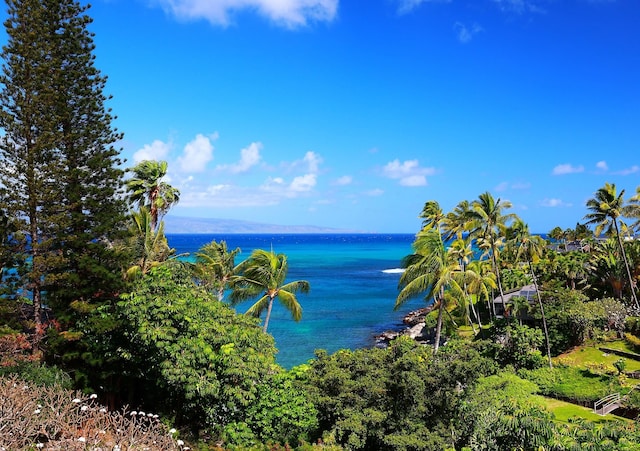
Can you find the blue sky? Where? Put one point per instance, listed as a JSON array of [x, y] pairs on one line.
[[351, 114]]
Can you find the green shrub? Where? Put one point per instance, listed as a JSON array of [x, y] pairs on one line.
[[632, 324], [38, 374], [633, 341], [570, 383]]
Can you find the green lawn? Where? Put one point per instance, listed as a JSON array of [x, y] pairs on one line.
[[591, 354], [565, 410], [622, 345]]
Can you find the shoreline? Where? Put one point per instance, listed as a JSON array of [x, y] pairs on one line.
[[414, 327]]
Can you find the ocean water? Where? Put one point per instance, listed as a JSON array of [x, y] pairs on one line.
[[354, 284]]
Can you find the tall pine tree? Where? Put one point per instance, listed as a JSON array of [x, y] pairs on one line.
[[59, 172]]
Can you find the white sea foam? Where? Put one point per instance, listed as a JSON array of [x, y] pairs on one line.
[[393, 271]]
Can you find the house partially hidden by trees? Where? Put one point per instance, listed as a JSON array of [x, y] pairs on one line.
[[516, 301]]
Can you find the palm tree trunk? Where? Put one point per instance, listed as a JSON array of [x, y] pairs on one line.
[[491, 307], [266, 319], [436, 345], [475, 312], [544, 318], [626, 265], [497, 272], [469, 301]]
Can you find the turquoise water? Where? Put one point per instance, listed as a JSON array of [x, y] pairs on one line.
[[353, 280]]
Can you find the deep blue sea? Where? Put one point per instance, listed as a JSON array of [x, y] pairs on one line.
[[353, 278]]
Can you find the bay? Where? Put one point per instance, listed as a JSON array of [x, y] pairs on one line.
[[354, 284]]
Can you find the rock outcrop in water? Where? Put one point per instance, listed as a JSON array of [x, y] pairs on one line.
[[414, 328]]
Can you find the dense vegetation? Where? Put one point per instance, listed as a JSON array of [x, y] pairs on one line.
[[93, 299]]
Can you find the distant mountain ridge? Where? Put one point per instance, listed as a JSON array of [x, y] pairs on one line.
[[178, 225]]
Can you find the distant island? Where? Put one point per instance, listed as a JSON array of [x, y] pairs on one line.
[[182, 225]]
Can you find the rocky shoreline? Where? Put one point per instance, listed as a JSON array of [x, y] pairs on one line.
[[414, 328]]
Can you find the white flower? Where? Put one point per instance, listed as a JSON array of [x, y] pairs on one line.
[[37, 411], [180, 442], [83, 408], [155, 417], [150, 415], [40, 445], [172, 431], [133, 412], [76, 401], [93, 396], [116, 448], [141, 413], [82, 439], [103, 410]]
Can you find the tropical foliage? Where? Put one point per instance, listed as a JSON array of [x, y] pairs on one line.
[[148, 189], [263, 275], [92, 296], [193, 356]]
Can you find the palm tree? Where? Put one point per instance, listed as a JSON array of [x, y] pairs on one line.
[[430, 270], [432, 215], [458, 221], [215, 266], [556, 233], [147, 189], [489, 223], [573, 265], [605, 268], [150, 246], [461, 249], [605, 208], [518, 306], [632, 210], [481, 282], [531, 248], [263, 274]]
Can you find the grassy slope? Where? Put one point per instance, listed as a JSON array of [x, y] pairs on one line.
[[591, 354], [563, 411], [581, 357]]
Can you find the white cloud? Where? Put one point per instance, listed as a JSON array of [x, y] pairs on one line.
[[273, 183], [409, 173], [157, 150], [602, 165], [272, 192], [310, 163], [343, 181], [249, 157], [465, 34], [521, 185], [289, 13], [414, 180], [628, 171], [228, 196], [519, 6], [196, 154], [313, 160], [504, 186], [563, 169], [553, 202], [406, 6], [375, 192], [279, 187], [303, 183], [501, 187]]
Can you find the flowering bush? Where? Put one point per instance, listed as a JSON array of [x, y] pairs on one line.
[[51, 418]]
